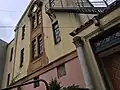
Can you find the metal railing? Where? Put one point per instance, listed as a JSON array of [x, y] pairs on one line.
[[75, 5], [20, 85], [27, 83]]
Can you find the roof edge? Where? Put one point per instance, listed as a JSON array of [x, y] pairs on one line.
[[23, 14], [109, 9]]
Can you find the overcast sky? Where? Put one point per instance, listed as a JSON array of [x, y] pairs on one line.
[[10, 13]]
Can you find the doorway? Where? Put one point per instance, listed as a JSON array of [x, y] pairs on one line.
[[111, 64]]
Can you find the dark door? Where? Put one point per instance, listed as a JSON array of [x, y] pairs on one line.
[[111, 64]]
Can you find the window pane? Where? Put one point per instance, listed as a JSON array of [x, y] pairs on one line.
[[56, 26], [58, 39], [39, 17], [34, 21], [40, 45], [33, 48], [56, 32], [61, 70]]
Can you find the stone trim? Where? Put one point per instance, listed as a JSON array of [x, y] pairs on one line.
[[77, 41], [107, 11]]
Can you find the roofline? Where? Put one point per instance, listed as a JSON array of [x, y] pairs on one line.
[[3, 40], [11, 41], [23, 14]]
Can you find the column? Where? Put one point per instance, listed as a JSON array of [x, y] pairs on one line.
[[79, 44]]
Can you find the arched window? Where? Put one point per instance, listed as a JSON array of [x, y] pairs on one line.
[[35, 14]]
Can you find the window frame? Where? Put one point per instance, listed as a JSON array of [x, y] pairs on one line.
[[36, 84], [39, 15], [21, 58], [34, 49], [11, 54], [8, 79], [23, 32], [55, 27], [59, 70], [40, 45], [35, 21]]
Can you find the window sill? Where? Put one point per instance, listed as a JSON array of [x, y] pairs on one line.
[[37, 57], [35, 29]]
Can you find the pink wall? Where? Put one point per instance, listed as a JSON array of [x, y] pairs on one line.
[[73, 76]]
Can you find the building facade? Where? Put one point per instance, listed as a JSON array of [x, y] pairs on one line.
[[43, 49], [3, 47], [100, 41], [9, 64]]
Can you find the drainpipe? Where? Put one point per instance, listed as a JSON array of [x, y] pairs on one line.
[[79, 47]]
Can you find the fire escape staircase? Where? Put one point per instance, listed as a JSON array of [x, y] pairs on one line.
[[72, 6]]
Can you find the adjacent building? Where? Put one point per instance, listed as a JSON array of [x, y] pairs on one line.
[[46, 38], [3, 47]]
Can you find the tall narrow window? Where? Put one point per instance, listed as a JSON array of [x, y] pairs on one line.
[[40, 45], [36, 84], [56, 32], [39, 17], [21, 57], [33, 22], [33, 48], [8, 79], [11, 54], [61, 70], [23, 32]]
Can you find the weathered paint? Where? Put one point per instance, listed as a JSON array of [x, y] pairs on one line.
[[8, 64], [106, 22], [73, 76], [3, 48]]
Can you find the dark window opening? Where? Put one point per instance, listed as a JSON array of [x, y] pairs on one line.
[[39, 17], [61, 71], [40, 45], [56, 32], [23, 32], [22, 58], [11, 54], [33, 22], [8, 79], [33, 48], [19, 88], [36, 84]]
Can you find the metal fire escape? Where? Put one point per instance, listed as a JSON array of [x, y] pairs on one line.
[[74, 6]]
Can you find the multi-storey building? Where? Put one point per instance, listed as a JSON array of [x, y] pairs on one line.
[[42, 47], [3, 47], [9, 63], [100, 41]]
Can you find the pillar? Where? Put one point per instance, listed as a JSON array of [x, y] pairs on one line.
[[79, 48]]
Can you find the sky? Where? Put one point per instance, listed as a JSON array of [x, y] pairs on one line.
[[10, 13]]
